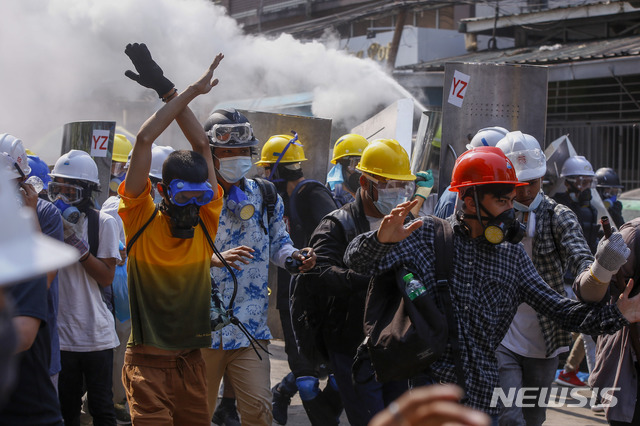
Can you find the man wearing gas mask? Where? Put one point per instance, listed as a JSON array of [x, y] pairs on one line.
[[343, 179], [528, 354], [493, 274], [249, 239], [169, 245], [609, 187]]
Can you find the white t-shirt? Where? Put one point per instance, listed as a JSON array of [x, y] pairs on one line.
[[110, 207], [84, 321]]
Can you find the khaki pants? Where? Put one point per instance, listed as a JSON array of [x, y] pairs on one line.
[[250, 378], [166, 390]]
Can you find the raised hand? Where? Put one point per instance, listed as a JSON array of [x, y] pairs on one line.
[[149, 72], [392, 228], [205, 83]]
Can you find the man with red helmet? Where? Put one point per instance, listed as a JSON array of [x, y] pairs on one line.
[[492, 273]]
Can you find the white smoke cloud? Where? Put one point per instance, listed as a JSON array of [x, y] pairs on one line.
[[64, 61]]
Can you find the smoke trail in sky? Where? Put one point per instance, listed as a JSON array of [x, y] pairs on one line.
[[63, 61]]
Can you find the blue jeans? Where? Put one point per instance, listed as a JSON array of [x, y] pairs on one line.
[[90, 371], [362, 400], [517, 371]]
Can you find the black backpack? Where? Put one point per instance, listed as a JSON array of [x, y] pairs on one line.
[[308, 310], [404, 337]]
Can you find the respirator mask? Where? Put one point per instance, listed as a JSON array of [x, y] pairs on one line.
[[238, 204], [183, 210], [390, 193], [504, 227]]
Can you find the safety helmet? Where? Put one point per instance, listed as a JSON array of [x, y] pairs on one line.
[[577, 166], [482, 165], [525, 154], [121, 148], [488, 136], [39, 168], [15, 149], [275, 145], [229, 128], [607, 178], [76, 164], [158, 155], [349, 145], [386, 158]]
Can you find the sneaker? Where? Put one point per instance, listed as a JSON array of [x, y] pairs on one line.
[[122, 413], [569, 379], [280, 404], [226, 415], [597, 408]]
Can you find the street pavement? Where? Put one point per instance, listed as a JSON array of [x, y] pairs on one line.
[[562, 416]]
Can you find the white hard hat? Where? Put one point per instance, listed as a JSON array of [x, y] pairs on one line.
[[524, 152], [76, 164], [489, 136], [158, 155], [15, 149], [577, 166], [24, 252]]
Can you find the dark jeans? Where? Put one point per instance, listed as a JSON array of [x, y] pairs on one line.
[[362, 400], [90, 371]]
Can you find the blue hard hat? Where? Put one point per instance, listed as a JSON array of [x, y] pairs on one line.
[[39, 168]]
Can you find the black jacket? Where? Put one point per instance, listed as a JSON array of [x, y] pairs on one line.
[[343, 329]]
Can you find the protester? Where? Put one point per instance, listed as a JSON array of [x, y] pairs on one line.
[[27, 392], [168, 265], [385, 171], [119, 158], [616, 364], [528, 354], [249, 240], [493, 274], [306, 202], [343, 178], [609, 188]]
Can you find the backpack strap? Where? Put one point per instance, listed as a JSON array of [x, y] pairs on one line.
[[137, 235], [93, 231], [444, 265], [269, 200]]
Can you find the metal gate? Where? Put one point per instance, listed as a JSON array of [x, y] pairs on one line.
[[605, 145]]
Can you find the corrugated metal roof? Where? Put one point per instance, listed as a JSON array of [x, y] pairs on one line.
[[542, 55]]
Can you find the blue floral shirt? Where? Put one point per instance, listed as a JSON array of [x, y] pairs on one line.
[[270, 243]]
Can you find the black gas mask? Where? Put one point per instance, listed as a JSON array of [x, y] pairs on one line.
[[504, 227], [581, 196], [182, 219]]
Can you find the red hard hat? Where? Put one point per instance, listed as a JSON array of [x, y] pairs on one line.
[[483, 165]]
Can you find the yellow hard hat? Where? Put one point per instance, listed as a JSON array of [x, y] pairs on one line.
[[386, 158], [121, 148], [274, 147], [349, 145]]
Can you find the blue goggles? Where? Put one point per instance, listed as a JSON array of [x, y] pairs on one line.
[[182, 192]]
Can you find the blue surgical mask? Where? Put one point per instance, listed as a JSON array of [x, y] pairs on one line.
[[232, 169], [388, 199]]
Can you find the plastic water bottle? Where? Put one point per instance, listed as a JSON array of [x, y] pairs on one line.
[[414, 288]]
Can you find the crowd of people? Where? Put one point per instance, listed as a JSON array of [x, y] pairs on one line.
[[154, 308]]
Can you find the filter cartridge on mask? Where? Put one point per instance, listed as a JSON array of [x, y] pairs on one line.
[[239, 204]]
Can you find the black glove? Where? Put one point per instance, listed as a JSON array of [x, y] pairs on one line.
[[149, 73]]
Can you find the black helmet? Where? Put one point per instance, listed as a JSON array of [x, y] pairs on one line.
[[229, 128], [607, 178]]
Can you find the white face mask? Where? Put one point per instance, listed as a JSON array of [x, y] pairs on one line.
[[531, 207], [232, 169], [388, 199]]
